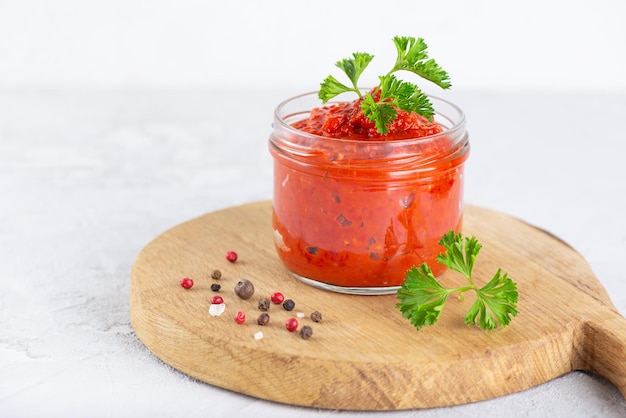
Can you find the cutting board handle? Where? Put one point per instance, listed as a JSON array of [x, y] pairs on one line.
[[603, 348]]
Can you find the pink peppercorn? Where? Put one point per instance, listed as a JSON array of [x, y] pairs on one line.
[[186, 283], [240, 317], [231, 256], [216, 300], [291, 324], [277, 298]]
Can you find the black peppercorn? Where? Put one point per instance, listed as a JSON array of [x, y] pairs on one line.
[[306, 332], [316, 316], [244, 289], [263, 319], [264, 304], [216, 287], [216, 274], [289, 305]]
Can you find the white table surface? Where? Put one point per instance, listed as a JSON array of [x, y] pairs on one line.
[[87, 178]]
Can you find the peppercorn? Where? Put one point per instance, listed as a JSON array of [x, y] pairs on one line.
[[316, 316], [263, 319], [244, 289], [240, 317], [306, 332], [289, 304], [231, 256], [216, 287], [216, 300], [186, 283], [277, 297], [264, 305], [291, 324], [216, 274]]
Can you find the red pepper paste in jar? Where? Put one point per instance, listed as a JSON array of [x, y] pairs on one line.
[[354, 209]]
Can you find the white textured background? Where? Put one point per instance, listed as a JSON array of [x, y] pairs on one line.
[[483, 43], [120, 119]]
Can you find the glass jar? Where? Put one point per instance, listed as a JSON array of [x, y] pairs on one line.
[[353, 216]]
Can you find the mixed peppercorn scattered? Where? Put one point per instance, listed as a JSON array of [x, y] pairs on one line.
[[244, 289]]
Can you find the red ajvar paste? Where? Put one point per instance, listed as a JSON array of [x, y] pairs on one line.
[[342, 223], [346, 120]]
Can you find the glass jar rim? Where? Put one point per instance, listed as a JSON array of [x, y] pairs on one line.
[[457, 125]]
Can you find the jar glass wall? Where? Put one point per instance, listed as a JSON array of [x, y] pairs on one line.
[[354, 215]]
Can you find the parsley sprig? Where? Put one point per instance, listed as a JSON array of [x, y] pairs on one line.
[[391, 93], [422, 297]]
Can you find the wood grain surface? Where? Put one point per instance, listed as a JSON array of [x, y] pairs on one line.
[[364, 355]]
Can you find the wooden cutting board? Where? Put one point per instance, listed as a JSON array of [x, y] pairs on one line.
[[364, 355]]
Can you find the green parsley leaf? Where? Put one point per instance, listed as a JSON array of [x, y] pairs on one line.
[[353, 67], [459, 257], [406, 96], [412, 56], [391, 92], [330, 88], [394, 93], [496, 300], [422, 297], [379, 112]]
